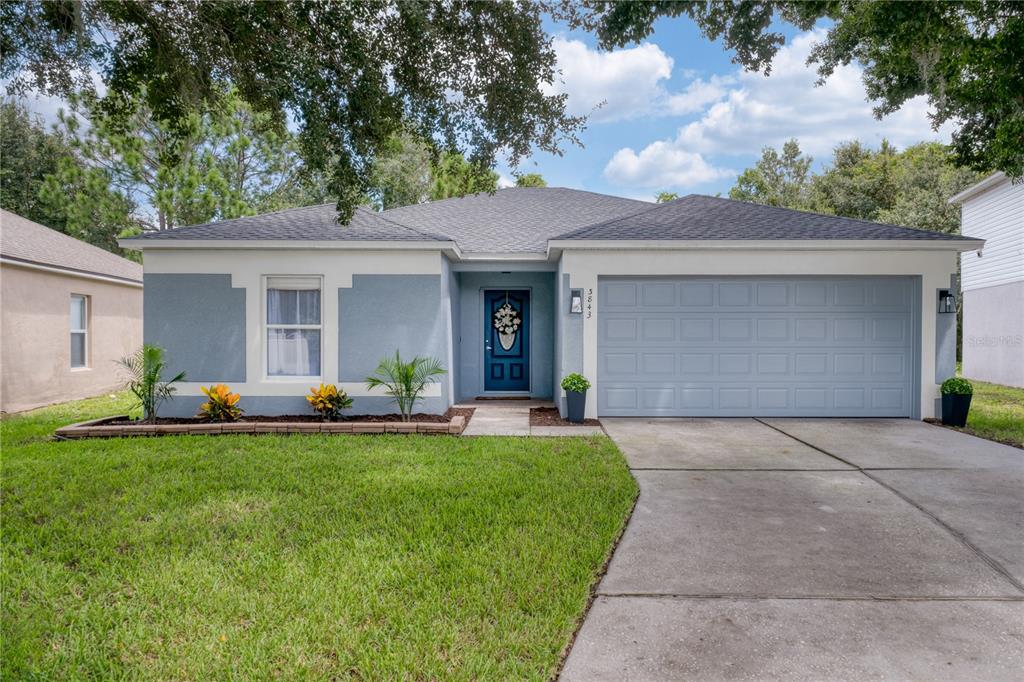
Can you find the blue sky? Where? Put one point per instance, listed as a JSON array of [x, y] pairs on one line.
[[678, 115]]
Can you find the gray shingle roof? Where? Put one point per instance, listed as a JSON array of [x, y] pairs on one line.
[[29, 242], [309, 223], [702, 217], [524, 219], [514, 220]]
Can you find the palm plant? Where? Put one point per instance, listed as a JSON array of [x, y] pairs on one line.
[[143, 374], [405, 381]]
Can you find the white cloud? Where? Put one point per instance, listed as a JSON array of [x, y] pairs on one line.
[[623, 83], [661, 165], [505, 182], [751, 111]]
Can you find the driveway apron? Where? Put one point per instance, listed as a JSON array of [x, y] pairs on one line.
[[811, 549]]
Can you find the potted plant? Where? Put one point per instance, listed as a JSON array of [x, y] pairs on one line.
[[956, 401], [575, 387]]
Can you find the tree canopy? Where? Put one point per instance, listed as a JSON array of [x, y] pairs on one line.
[[410, 170], [966, 57], [352, 75], [132, 171], [909, 187], [531, 180]]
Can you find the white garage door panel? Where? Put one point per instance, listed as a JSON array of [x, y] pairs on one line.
[[809, 346]]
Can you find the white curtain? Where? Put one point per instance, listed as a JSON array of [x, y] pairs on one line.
[[293, 351]]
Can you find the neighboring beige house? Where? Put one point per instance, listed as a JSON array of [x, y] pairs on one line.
[[992, 281], [68, 312]]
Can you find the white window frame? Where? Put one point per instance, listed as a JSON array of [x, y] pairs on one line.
[[265, 328], [84, 332]]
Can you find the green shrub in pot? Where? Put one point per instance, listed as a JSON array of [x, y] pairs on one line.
[[956, 401], [575, 387]]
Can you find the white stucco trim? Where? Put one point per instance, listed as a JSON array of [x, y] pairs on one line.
[[70, 273], [933, 266], [279, 389], [858, 245], [247, 269]]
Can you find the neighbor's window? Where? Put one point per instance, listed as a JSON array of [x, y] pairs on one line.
[[79, 330], [293, 326]]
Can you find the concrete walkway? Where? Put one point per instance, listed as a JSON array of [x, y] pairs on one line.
[[512, 418], [810, 550]]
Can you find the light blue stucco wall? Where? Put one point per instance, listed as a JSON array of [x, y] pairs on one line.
[[384, 313], [570, 340], [470, 340], [199, 321]]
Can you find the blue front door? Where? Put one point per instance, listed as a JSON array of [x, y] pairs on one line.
[[507, 340]]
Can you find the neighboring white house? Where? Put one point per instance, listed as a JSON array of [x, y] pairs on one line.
[[992, 280]]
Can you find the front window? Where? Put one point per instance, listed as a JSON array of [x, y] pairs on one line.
[[79, 330], [293, 326]]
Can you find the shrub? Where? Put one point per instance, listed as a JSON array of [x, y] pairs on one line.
[[575, 383], [328, 401], [405, 381], [222, 405], [144, 379], [957, 386]]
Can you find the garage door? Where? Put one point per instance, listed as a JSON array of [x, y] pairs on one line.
[[732, 346]]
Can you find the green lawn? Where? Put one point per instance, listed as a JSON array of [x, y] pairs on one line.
[[298, 556], [997, 413]]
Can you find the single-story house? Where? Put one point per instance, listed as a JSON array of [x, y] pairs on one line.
[[992, 281], [69, 311], [702, 306]]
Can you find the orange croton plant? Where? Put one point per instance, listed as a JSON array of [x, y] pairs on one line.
[[328, 401], [222, 405]]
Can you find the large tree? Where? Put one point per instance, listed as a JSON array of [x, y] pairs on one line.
[[226, 162], [966, 57], [28, 153], [411, 170], [909, 187], [777, 179], [351, 75]]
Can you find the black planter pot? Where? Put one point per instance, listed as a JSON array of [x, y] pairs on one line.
[[954, 409], [576, 405]]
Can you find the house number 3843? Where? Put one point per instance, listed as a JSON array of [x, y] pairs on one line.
[[590, 303]]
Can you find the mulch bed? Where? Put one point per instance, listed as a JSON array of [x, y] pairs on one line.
[[419, 417], [548, 416]]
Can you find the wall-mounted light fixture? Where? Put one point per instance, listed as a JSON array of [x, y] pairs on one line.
[[947, 301], [576, 301]]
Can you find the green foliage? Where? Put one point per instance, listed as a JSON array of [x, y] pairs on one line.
[[531, 180], [224, 163], [966, 58], [454, 176], [28, 153], [350, 75], [221, 404], [776, 179], [143, 375], [405, 381], [909, 188], [576, 383], [327, 401], [956, 386], [665, 197], [409, 170]]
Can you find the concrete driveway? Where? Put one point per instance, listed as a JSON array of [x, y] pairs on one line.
[[811, 549]]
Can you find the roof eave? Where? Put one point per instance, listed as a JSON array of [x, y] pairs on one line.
[[556, 246], [288, 244], [977, 188]]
